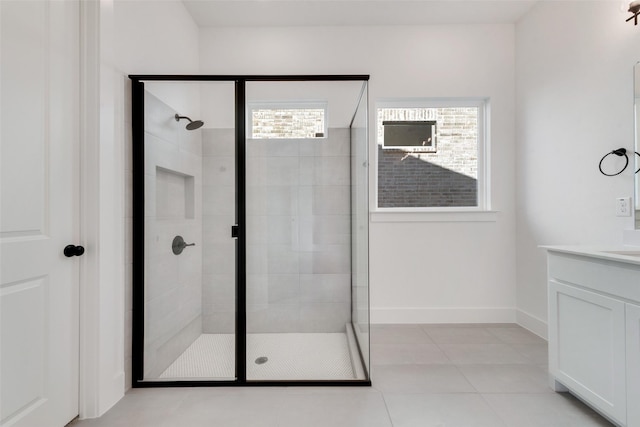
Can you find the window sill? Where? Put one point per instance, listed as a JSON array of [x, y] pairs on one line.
[[434, 216]]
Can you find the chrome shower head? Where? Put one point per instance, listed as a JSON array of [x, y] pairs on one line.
[[192, 125]]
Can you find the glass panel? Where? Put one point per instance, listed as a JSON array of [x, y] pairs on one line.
[[190, 199], [299, 243], [360, 229], [306, 236]]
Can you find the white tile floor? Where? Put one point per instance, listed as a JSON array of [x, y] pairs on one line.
[[423, 376]]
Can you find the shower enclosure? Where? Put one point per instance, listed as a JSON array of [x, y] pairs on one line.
[[250, 230]]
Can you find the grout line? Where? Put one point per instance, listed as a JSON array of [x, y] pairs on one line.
[[497, 414], [386, 407], [466, 378]]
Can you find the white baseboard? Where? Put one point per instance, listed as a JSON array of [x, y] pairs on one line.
[[442, 315], [532, 323]]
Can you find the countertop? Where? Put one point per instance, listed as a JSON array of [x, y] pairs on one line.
[[602, 252]]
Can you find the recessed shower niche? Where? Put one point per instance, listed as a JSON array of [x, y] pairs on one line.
[[174, 195], [262, 182]]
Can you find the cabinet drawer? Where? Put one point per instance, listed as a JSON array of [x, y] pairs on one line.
[[610, 277]]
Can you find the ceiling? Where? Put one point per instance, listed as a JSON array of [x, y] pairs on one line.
[[231, 13]]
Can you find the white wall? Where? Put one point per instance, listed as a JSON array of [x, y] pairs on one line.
[[155, 37], [420, 271], [136, 37], [574, 68]]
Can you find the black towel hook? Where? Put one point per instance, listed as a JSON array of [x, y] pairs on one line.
[[618, 152]]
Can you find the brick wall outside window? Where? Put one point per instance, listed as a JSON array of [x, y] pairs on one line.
[[446, 178], [272, 123]]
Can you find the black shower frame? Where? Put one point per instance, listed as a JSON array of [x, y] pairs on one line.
[[138, 147]]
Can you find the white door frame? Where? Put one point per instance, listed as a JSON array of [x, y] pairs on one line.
[[89, 396], [102, 215]]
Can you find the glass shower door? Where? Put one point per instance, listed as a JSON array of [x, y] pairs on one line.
[[190, 256]]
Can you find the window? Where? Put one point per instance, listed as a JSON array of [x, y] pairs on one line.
[[415, 136], [431, 155], [300, 120]]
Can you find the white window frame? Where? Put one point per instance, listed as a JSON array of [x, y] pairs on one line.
[[467, 213], [285, 105]]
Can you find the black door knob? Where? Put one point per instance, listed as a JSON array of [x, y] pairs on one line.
[[73, 250]]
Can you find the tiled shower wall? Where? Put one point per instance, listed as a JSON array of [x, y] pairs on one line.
[[298, 233], [173, 202], [219, 248]]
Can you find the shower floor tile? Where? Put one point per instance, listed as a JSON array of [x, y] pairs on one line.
[[210, 356], [294, 356]]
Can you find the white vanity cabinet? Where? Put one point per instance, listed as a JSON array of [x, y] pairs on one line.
[[633, 364], [594, 331], [589, 358]]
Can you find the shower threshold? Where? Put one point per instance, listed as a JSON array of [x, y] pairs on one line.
[[271, 356]]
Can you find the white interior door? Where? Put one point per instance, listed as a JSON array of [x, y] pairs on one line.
[[39, 66]]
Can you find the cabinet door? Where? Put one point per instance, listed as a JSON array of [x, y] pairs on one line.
[[633, 365], [587, 347]]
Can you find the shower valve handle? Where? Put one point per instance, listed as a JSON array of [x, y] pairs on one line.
[[178, 245]]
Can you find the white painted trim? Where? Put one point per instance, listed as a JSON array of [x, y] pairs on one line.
[[89, 396], [532, 323], [426, 216], [442, 315], [111, 329], [101, 379]]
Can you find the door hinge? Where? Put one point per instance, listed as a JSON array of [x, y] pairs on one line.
[[235, 230]]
